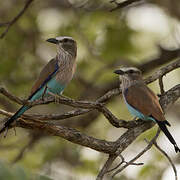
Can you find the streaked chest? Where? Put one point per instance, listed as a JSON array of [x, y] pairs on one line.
[[66, 71]]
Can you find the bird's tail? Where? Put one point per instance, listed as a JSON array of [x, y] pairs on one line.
[[14, 117], [162, 125]]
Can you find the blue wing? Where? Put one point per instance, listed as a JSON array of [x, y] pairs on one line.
[[46, 75]]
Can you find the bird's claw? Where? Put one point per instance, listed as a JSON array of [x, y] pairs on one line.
[[14, 131], [45, 89], [134, 119], [56, 99], [5, 132]]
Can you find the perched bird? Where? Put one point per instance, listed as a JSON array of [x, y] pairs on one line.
[[141, 101], [54, 77]]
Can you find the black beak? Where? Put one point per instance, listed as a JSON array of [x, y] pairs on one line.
[[119, 72], [52, 40]]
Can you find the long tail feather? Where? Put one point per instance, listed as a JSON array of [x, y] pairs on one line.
[[14, 117], [162, 125]]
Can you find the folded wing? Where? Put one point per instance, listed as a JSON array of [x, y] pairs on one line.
[[45, 75], [144, 100]]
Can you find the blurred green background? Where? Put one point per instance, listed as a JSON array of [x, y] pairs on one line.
[[106, 40]]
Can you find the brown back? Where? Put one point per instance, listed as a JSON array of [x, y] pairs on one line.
[[46, 71], [144, 100]]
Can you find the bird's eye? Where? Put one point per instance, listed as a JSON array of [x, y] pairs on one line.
[[65, 40], [131, 71]]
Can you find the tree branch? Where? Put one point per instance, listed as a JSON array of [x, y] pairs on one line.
[[98, 105], [10, 96], [69, 134], [169, 159], [15, 19], [106, 166], [161, 72], [123, 4], [77, 137], [140, 154], [114, 149]]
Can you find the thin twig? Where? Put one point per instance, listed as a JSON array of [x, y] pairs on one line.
[[123, 4], [106, 166], [166, 56], [15, 19], [4, 24], [122, 161], [34, 138], [163, 71], [169, 159], [10, 96], [5, 113], [140, 154]]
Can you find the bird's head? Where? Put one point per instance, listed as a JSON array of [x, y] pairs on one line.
[[131, 73], [66, 43]]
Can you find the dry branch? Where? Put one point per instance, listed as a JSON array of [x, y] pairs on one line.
[[169, 159], [100, 145], [114, 149], [140, 154], [15, 19], [123, 4]]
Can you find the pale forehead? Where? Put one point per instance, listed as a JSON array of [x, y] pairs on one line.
[[60, 38], [129, 68]]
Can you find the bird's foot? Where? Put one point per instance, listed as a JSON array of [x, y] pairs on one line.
[[6, 129], [42, 98], [5, 132], [134, 118], [43, 95], [14, 130], [56, 99]]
